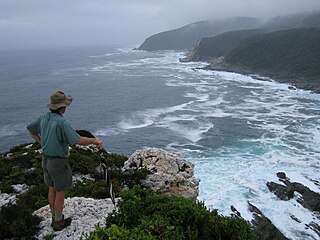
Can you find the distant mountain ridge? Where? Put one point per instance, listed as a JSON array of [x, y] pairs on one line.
[[183, 38]]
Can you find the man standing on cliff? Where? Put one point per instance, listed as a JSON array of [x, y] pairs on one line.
[[55, 135]]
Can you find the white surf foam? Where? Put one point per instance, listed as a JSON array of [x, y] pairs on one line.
[[12, 130]]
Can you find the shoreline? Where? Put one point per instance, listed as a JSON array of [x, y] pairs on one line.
[[297, 82]]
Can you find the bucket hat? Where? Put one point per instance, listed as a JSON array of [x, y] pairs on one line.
[[58, 100]]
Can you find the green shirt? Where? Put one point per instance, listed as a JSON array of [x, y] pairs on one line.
[[56, 134]]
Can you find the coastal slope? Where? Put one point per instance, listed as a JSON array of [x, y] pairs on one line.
[[287, 56]]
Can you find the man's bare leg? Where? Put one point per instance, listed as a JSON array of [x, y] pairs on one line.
[[51, 200], [58, 205]]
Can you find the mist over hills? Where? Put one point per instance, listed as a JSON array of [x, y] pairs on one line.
[[183, 38]]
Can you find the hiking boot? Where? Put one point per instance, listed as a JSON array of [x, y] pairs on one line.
[[59, 225]]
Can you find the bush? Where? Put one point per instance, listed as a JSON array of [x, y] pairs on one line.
[[17, 221], [89, 189], [143, 214]]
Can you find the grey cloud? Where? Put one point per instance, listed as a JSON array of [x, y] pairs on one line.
[[67, 22]]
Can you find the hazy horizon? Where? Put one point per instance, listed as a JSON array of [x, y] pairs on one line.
[[38, 23]]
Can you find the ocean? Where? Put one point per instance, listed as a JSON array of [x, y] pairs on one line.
[[238, 131]]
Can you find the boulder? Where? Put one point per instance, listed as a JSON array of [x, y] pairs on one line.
[[169, 173]]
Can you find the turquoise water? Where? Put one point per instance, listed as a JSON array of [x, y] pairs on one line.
[[237, 130]]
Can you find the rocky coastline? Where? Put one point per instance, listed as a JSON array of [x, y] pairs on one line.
[[296, 82]]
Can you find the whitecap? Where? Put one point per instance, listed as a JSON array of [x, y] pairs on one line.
[[12, 130], [104, 55]]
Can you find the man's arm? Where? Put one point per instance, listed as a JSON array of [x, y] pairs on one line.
[[88, 141], [36, 137]]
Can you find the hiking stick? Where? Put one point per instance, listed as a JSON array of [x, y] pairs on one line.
[[103, 164]]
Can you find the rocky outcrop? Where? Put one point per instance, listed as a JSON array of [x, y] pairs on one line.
[[263, 227], [85, 213], [306, 197], [169, 173], [309, 199]]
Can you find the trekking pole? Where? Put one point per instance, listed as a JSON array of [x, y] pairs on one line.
[[106, 175], [103, 164]]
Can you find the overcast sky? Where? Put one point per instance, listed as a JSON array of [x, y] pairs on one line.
[[74, 22]]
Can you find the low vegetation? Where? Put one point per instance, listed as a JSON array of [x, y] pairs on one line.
[[141, 213]]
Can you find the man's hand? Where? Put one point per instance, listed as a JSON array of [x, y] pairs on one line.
[[98, 143], [88, 141], [36, 137]]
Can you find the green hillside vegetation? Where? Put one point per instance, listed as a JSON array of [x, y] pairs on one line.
[[294, 52], [141, 213], [290, 56], [214, 47]]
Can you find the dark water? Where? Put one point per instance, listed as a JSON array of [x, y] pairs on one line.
[[238, 131]]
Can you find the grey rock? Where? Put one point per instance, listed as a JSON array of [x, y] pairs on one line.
[[309, 199], [263, 227], [281, 175], [169, 172], [284, 192]]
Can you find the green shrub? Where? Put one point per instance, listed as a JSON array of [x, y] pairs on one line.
[[83, 161], [17, 221], [89, 189], [143, 214], [34, 198]]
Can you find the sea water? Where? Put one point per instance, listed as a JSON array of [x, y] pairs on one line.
[[238, 131]]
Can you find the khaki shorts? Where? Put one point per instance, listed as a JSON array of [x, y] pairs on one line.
[[57, 172]]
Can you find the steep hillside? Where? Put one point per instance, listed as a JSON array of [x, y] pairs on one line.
[[210, 48], [289, 56], [293, 52], [183, 38]]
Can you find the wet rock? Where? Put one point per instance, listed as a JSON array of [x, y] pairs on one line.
[[295, 218], [309, 198], [263, 227], [235, 213], [284, 192], [169, 172], [315, 227], [281, 175], [306, 197]]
